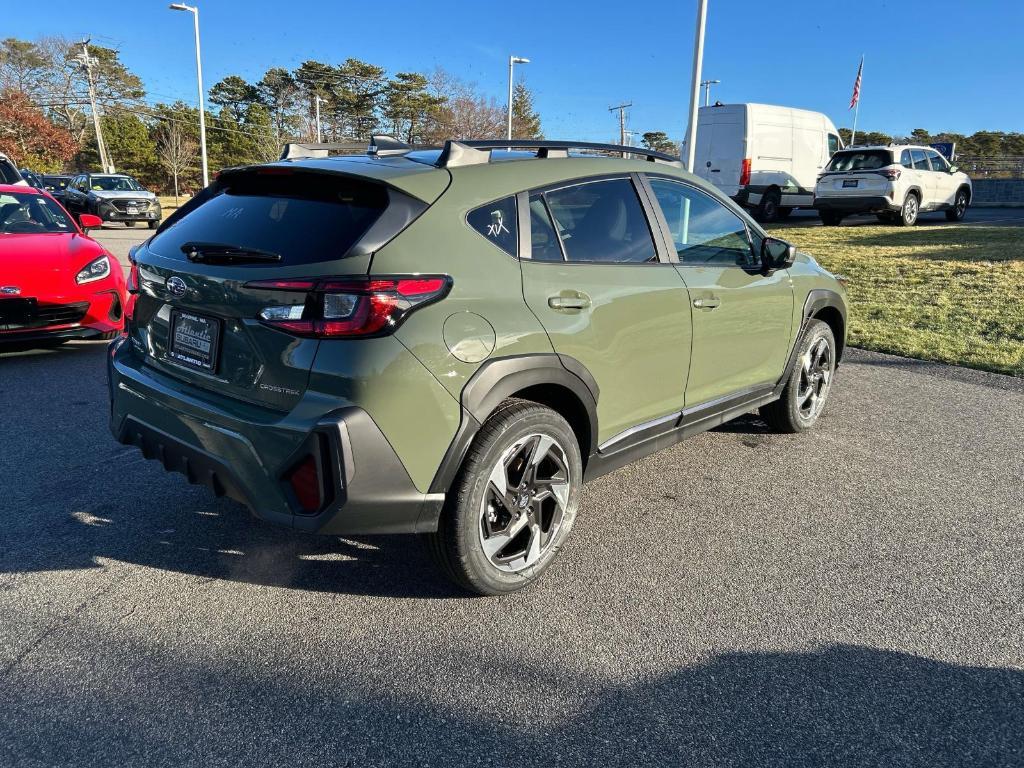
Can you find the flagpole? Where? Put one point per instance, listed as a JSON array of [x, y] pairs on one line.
[[856, 107]]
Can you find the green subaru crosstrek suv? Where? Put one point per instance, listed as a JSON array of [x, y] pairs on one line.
[[449, 342]]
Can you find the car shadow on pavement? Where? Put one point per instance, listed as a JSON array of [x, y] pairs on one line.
[[218, 539], [840, 705]]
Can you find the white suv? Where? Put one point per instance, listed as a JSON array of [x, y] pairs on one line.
[[896, 182]]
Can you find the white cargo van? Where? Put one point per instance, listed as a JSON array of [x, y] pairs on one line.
[[765, 158]]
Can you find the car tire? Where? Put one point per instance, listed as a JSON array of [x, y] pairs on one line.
[[783, 213], [768, 209], [960, 204], [131, 224], [153, 224], [909, 211], [809, 383], [830, 218], [492, 540]]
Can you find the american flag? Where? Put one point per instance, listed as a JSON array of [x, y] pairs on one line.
[[856, 85]]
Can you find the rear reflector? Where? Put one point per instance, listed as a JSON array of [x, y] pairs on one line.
[[342, 307], [305, 482]]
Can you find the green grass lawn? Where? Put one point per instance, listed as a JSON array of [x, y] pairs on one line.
[[950, 293], [167, 204]]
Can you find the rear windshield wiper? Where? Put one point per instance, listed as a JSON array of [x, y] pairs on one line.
[[212, 253]]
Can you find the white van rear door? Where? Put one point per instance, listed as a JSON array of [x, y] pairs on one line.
[[721, 149]]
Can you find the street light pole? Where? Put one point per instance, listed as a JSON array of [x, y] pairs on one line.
[[706, 84], [698, 61], [199, 80], [512, 61], [319, 137]]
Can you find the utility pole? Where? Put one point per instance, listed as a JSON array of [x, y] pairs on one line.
[[706, 85], [319, 137], [698, 61], [87, 63], [622, 121]]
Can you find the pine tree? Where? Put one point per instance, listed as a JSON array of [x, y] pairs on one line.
[[525, 120]]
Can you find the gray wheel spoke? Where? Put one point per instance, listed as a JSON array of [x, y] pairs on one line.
[[496, 542], [533, 549], [528, 490]]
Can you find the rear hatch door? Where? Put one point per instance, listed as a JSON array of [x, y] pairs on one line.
[[856, 173], [195, 318]]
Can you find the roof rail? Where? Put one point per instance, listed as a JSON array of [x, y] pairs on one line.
[[472, 151], [294, 151]]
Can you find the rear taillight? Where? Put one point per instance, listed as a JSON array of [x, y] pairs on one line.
[[745, 172], [132, 287], [349, 307], [890, 173]]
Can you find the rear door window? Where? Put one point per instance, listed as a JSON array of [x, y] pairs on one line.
[[602, 221], [497, 222], [302, 217], [544, 244]]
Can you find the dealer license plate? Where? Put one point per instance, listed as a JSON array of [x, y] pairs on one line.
[[195, 340]]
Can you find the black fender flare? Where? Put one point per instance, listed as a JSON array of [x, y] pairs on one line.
[[499, 379], [817, 300]]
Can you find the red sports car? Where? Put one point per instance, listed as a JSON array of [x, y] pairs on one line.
[[56, 282]]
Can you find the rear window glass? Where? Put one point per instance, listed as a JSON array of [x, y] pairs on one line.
[[860, 160], [497, 222], [303, 217]]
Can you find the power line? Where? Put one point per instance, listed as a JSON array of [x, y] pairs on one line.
[[135, 109]]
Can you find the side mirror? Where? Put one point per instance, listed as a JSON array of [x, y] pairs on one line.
[[87, 221], [776, 254], [953, 169]]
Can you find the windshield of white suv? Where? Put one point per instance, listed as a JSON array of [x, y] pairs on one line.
[[860, 160], [114, 184]]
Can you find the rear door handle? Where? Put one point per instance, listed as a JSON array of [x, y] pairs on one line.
[[581, 301], [708, 303]]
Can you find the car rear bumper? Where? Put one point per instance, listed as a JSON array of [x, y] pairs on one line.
[[247, 454], [858, 204]]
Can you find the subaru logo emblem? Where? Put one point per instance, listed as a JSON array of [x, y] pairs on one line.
[[176, 286], [10, 290]]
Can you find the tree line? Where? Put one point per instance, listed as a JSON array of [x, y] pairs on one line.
[[46, 120], [980, 144]]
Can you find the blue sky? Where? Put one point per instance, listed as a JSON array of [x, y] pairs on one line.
[[938, 65]]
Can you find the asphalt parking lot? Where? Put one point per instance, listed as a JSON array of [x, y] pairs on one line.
[[850, 596]]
